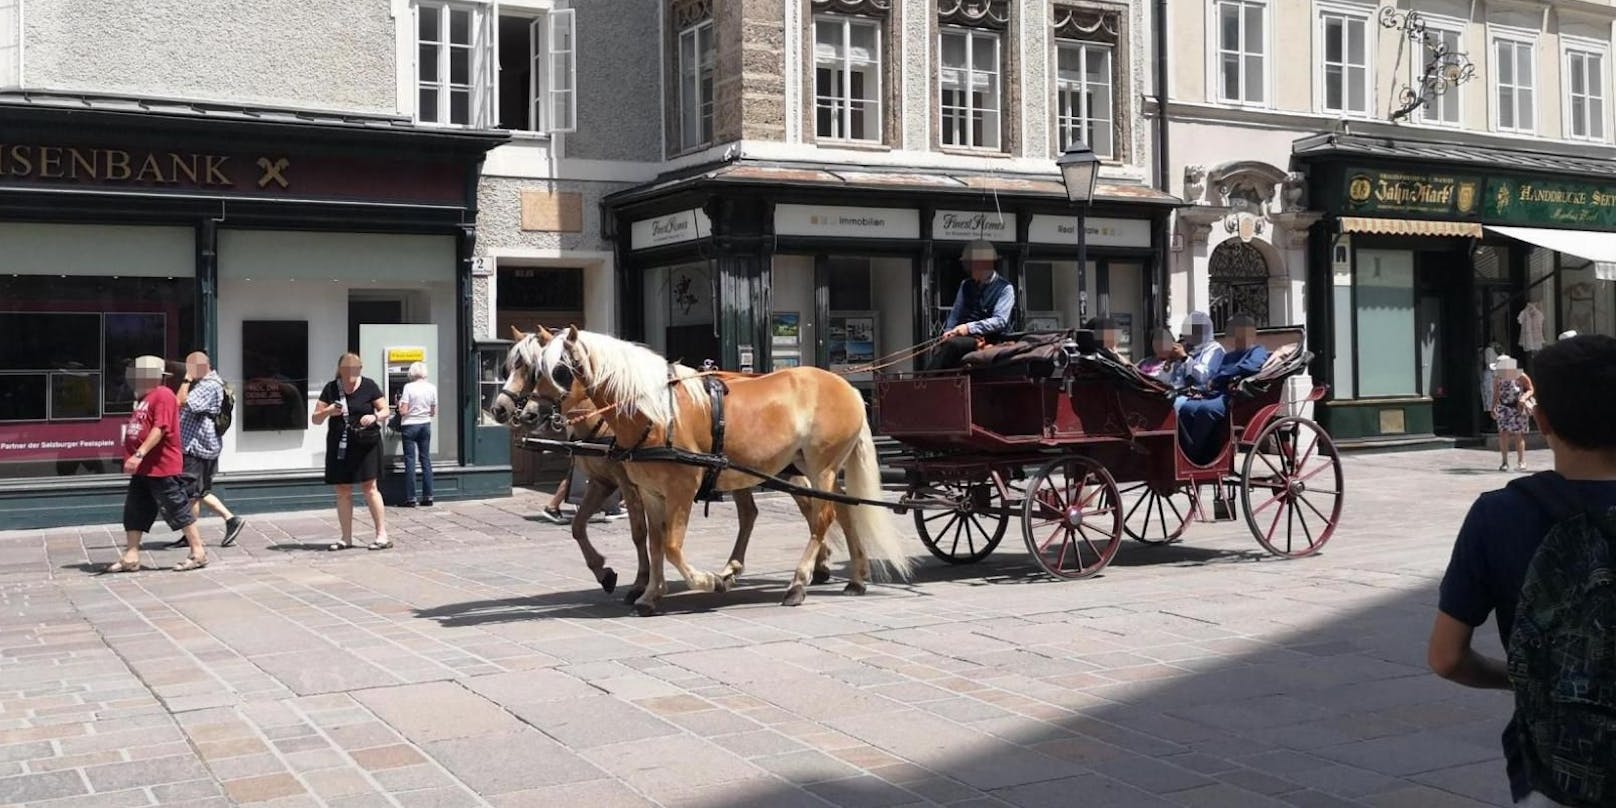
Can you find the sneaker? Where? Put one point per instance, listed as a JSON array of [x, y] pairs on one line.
[[597, 518], [554, 516], [1504, 466], [614, 514], [1520, 467], [232, 530], [408, 503], [426, 503]]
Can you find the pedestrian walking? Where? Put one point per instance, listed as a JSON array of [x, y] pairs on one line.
[[1513, 401], [155, 465], [203, 421], [611, 510], [1539, 554], [417, 406], [353, 408]]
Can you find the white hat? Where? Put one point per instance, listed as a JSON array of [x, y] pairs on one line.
[[151, 364], [1567, 335], [1505, 362]]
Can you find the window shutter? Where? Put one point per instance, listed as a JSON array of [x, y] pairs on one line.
[[537, 75], [562, 77]]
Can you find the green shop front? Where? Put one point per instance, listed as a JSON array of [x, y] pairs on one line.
[[1434, 259]]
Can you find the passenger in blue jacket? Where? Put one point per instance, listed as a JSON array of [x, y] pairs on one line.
[[1204, 407], [982, 309]]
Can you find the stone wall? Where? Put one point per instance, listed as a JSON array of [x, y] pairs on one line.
[[619, 92], [318, 55]]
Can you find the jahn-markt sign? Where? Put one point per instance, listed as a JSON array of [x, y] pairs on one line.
[[1449, 195]]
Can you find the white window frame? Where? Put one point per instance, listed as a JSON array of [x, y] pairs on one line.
[[1455, 95], [1322, 14], [702, 32], [483, 68], [1517, 39], [1575, 46], [556, 109], [1214, 53], [1080, 87], [972, 36], [844, 71]]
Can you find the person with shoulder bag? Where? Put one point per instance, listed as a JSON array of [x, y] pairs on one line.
[[354, 409], [204, 418]]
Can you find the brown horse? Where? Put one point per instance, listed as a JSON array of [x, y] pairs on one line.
[[527, 400], [802, 417]]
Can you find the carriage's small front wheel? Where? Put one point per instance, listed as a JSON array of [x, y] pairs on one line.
[[1071, 518], [1291, 487], [1155, 516], [967, 532]]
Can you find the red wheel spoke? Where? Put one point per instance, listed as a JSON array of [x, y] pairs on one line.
[[1142, 501], [1089, 500], [1267, 462], [1275, 526], [1260, 508], [1313, 508], [1306, 531], [1066, 540], [1314, 473]]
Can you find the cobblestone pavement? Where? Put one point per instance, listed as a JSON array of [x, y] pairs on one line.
[[478, 664]]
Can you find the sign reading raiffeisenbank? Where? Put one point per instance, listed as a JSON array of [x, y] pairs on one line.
[[1429, 194]]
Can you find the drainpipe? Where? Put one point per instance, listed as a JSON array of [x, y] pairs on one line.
[[1162, 181]]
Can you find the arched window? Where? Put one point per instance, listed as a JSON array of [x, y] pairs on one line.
[[1239, 283]]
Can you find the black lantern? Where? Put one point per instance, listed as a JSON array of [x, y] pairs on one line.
[[1080, 171]]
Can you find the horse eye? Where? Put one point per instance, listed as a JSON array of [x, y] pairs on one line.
[[562, 377]]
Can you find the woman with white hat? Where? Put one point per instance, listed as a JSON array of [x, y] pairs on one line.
[[1513, 402]]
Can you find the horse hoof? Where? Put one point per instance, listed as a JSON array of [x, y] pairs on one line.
[[821, 577], [722, 583], [608, 580], [644, 610], [854, 588], [633, 595], [794, 596]]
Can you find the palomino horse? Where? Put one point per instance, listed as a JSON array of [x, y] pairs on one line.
[[802, 417], [526, 401]]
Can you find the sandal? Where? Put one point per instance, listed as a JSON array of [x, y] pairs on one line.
[[346, 544], [381, 544], [120, 566], [190, 564]]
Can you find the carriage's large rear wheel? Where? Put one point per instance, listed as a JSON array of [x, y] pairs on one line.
[[1290, 487], [1156, 516], [1071, 517], [967, 532]]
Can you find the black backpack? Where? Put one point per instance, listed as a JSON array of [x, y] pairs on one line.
[[1562, 651], [227, 410]]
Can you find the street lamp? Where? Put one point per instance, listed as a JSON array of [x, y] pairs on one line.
[[1080, 171]]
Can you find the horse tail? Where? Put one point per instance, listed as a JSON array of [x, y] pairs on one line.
[[872, 526]]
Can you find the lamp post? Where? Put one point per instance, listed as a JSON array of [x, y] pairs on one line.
[[1080, 170]]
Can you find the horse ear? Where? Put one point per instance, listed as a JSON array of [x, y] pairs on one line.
[[544, 335], [516, 334], [572, 334]]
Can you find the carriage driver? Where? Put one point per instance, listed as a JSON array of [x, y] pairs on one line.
[[982, 309]]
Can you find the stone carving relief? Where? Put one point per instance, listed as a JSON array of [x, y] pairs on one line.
[[1247, 185], [1087, 24], [1194, 182], [686, 13], [975, 13], [866, 7], [1293, 189]]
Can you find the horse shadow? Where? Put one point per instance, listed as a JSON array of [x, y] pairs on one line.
[[592, 604]]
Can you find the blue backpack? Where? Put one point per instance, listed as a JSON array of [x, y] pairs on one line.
[[1562, 651]]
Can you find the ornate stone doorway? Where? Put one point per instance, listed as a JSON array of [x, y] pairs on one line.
[[1238, 276]]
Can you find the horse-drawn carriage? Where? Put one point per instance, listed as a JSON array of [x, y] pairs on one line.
[[1083, 451]]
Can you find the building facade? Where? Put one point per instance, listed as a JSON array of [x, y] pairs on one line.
[[183, 183], [1423, 183]]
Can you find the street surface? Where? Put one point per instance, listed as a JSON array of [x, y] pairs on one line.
[[479, 664]]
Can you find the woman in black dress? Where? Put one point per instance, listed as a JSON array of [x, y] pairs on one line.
[[354, 409]]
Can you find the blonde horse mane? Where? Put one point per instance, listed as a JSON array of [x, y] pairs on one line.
[[628, 373]]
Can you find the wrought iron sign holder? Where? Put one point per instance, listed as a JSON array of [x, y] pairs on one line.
[[1443, 71]]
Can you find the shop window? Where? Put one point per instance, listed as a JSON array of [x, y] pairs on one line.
[[1585, 88], [66, 344], [1084, 98], [697, 64], [1442, 98], [1384, 298], [1345, 67], [1587, 304], [850, 284], [970, 87], [1242, 52], [275, 375], [538, 72], [847, 78], [1039, 282], [1515, 77]]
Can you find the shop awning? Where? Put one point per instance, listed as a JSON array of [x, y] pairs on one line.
[[1593, 245], [1409, 227]]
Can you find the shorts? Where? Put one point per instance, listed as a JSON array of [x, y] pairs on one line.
[[199, 475], [149, 496]]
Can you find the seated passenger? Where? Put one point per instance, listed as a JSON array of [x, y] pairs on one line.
[[1202, 409], [1166, 364], [982, 309], [1109, 335]]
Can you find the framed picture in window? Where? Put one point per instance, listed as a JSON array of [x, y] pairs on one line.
[[854, 339], [785, 328]]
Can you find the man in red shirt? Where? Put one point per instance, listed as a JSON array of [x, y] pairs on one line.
[[151, 445]]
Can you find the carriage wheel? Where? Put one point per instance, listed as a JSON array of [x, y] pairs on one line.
[[1070, 519], [968, 532], [1290, 487], [1154, 517]]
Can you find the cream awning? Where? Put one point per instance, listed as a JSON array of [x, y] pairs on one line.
[[1593, 245], [1409, 227]]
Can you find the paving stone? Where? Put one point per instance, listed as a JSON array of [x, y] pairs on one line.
[[180, 792], [592, 721], [262, 789], [671, 766], [387, 757], [437, 711], [806, 766], [498, 764], [530, 686], [117, 776], [861, 792], [594, 793], [336, 783], [438, 798]]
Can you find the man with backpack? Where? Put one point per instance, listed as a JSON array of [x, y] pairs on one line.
[[206, 410], [1541, 554]]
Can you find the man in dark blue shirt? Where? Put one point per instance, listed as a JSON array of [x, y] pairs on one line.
[[1575, 380], [982, 309]]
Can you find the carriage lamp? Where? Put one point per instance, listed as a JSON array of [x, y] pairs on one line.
[[1080, 171]]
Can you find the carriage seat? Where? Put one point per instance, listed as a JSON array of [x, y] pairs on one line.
[[1035, 354], [1283, 362], [1123, 373]]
